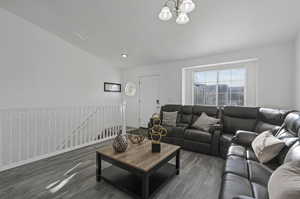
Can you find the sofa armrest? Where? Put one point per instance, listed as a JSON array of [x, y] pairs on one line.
[[244, 138], [215, 130], [216, 127], [242, 197]]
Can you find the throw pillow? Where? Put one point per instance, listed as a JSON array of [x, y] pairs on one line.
[[266, 146], [204, 122], [169, 118], [285, 182]]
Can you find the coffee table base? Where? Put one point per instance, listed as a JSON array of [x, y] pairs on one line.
[[132, 184]]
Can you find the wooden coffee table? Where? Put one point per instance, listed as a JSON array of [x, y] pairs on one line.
[[138, 171]]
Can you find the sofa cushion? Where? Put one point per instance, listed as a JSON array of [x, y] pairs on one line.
[[169, 118], [186, 115], [174, 131], [244, 138], [260, 191], [241, 151], [266, 146], [171, 108], [232, 124], [251, 155], [269, 118], [196, 146], [204, 122], [289, 141], [292, 123], [236, 165], [237, 150], [239, 118], [258, 172], [197, 135], [211, 111], [285, 182], [234, 185]]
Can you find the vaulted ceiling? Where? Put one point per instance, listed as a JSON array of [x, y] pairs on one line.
[[107, 28]]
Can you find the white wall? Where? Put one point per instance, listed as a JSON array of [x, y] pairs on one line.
[[275, 72], [297, 73], [39, 69]]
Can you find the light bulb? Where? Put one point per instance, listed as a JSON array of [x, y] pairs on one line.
[[187, 6], [165, 14], [182, 18]]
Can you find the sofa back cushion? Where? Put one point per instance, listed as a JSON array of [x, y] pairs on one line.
[[171, 108], [211, 111], [239, 118], [289, 141], [186, 115], [289, 134], [292, 123], [269, 119]]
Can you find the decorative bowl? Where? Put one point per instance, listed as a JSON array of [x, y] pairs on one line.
[[136, 139]]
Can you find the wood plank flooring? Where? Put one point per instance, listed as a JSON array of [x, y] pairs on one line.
[[72, 175]]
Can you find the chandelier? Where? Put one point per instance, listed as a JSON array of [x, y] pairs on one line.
[[179, 8]]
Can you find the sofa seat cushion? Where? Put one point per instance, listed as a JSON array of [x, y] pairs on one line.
[[174, 131], [251, 155], [234, 185], [241, 151], [259, 173], [260, 191], [196, 146], [237, 150], [197, 135], [236, 165]]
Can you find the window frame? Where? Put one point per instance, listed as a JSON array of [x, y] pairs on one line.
[[218, 69]]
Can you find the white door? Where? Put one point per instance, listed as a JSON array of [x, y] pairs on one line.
[[148, 98]]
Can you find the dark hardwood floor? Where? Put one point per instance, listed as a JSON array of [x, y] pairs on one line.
[[72, 175]]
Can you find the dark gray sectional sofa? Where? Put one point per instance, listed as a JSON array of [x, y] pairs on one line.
[[244, 176]]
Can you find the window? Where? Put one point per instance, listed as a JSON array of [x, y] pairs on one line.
[[219, 87]]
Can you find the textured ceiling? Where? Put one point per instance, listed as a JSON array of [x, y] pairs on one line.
[[111, 27]]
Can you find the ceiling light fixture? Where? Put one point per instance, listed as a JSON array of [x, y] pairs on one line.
[[178, 7], [124, 55]]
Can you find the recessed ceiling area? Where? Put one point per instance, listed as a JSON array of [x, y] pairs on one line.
[[108, 28]]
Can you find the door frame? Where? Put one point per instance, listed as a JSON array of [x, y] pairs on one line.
[[139, 93]]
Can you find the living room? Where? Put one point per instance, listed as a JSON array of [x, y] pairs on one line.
[[150, 99]]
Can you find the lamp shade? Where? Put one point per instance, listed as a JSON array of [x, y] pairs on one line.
[[182, 18], [165, 14], [187, 6]]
